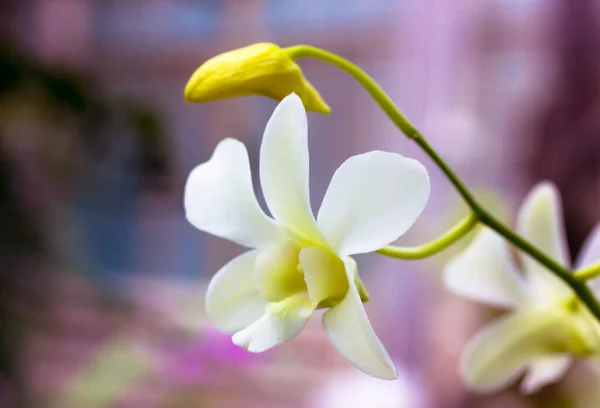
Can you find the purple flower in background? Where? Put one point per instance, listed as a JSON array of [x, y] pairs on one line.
[[204, 360], [223, 351]]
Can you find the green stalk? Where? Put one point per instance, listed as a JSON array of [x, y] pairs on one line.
[[433, 247], [398, 118], [587, 273]]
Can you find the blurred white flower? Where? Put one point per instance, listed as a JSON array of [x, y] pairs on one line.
[[351, 390], [548, 325], [266, 295]]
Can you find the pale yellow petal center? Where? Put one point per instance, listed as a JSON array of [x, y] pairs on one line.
[[585, 337], [325, 276], [276, 272], [290, 269]]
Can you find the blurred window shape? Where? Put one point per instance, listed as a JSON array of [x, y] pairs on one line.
[[332, 14], [157, 23]]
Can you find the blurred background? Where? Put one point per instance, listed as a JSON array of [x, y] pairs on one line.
[[102, 278]]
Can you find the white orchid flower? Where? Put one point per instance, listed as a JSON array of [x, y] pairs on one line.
[[298, 264], [548, 325]]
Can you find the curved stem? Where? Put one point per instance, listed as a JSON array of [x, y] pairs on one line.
[[587, 273], [433, 247], [384, 101], [458, 184], [392, 111]]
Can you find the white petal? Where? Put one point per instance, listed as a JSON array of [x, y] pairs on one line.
[[281, 323], [500, 352], [590, 254], [232, 301], [373, 198], [219, 199], [486, 273], [284, 168], [351, 333], [540, 221], [590, 251], [543, 371]]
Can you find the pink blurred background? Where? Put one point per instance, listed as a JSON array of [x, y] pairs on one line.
[[102, 277]]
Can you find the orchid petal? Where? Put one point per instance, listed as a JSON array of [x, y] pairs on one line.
[[281, 323], [373, 199], [486, 273], [590, 254], [500, 352], [590, 251], [540, 221], [351, 333], [219, 199], [545, 370], [284, 168], [232, 301]]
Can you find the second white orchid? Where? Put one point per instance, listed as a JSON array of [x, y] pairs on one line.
[[298, 263], [548, 325]]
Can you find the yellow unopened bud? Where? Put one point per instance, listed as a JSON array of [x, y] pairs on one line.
[[258, 69]]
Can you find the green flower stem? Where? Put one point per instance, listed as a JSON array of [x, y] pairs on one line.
[[390, 108], [589, 272], [384, 101], [433, 247]]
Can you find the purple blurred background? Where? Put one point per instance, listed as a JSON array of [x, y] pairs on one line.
[[102, 277]]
